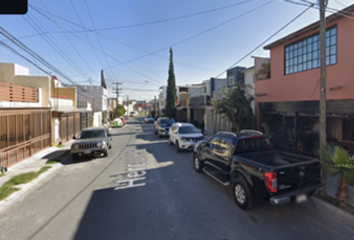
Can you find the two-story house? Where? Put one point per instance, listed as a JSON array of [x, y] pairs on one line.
[[97, 96], [288, 101], [25, 126]]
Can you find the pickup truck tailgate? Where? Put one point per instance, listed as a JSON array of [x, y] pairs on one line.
[[298, 176]]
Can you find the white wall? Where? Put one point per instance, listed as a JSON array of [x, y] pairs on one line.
[[249, 80], [96, 95], [62, 104], [97, 119]]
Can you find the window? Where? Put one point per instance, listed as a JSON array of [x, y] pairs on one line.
[[305, 54], [188, 129], [348, 129], [231, 81]]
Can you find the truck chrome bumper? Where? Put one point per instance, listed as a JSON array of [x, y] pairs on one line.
[[279, 200], [286, 198]]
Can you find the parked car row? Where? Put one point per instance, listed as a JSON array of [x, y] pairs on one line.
[[183, 135], [248, 162], [119, 122]]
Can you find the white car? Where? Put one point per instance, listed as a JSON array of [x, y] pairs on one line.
[[149, 119], [184, 136], [133, 114]]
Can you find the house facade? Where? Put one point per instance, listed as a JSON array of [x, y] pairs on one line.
[[288, 101], [25, 114], [98, 97]]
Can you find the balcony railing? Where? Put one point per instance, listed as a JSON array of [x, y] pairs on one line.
[[14, 93]]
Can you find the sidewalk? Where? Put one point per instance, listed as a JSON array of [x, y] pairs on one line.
[[32, 164], [35, 162]]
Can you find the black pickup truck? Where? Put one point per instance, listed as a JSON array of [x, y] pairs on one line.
[[247, 161]]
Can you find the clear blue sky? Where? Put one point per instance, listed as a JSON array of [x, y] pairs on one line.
[[195, 60]]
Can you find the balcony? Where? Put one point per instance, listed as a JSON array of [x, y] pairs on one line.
[[14, 93]]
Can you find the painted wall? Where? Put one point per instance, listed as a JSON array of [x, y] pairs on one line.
[[8, 73], [303, 86], [249, 80]]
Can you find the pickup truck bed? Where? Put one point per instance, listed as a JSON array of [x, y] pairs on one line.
[[275, 158]]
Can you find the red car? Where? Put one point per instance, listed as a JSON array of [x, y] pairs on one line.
[[123, 120]]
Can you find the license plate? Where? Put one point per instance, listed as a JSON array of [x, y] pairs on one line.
[[87, 152], [301, 198]]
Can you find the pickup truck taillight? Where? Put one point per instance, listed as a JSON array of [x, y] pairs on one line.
[[271, 181]]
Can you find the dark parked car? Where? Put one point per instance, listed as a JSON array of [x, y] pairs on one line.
[[162, 126], [247, 161], [91, 142]]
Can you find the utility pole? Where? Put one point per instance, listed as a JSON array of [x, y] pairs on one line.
[[145, 108], [117, 89], [128, 106], [323, 85]]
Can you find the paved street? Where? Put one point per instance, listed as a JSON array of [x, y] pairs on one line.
[[167, 200]]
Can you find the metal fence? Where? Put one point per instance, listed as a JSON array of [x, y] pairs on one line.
[[22, 134], [70, 126]]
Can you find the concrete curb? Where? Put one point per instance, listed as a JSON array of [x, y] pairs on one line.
[[27, 188], [342, 215]]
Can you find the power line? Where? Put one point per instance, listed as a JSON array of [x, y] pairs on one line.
[[168, 19], [198, 34], [98, 38], [22, 46], [106, 35], [78, 16], [92, 46], [266, 40], [56, 47]]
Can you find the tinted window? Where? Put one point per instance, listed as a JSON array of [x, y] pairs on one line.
[[214, 143], [252, 144], [226, 146], [92, 134], [188, 129]]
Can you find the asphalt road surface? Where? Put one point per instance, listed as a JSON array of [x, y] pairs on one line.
[[144, 189]]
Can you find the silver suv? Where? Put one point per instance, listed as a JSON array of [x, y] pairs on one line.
[[91, 142]]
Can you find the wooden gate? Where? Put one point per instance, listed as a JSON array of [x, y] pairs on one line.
[[23, 132], [69, 126]]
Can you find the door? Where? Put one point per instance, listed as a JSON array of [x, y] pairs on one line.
[[224, 155], [209, 153]]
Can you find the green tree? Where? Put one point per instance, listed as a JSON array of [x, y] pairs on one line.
[[235, 105], [171, 90], [103, 80], [120, 110]]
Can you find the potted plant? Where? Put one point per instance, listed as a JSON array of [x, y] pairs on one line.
[[336, 160], [264, 72]]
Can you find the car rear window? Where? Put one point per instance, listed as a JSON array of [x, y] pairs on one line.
[[253, 144], [167, 121]]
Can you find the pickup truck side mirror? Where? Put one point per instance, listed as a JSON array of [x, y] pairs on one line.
[[109, 135], [74, 137]]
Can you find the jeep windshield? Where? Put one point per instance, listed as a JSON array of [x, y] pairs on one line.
[[92, 134]]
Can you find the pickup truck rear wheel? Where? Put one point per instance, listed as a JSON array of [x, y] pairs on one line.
[[242, 193]]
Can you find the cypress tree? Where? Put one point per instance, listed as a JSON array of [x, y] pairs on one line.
[[171, 90]]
